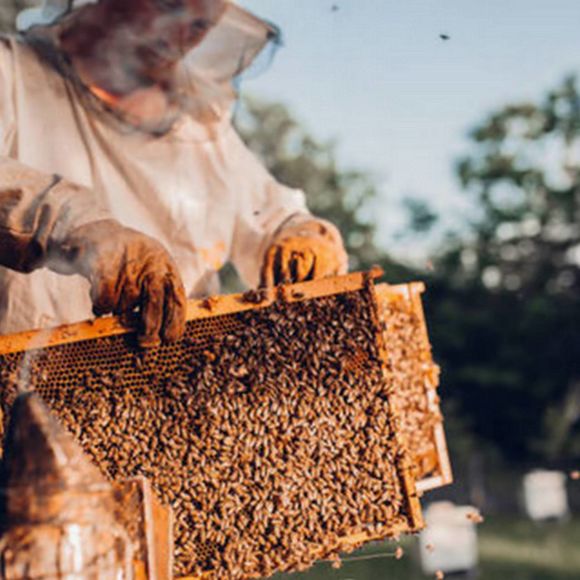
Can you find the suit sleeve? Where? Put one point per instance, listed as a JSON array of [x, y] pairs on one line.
[[267, 212], [37, 210]]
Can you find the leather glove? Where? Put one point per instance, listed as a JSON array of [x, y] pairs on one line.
[[128, 270], [305, 249]]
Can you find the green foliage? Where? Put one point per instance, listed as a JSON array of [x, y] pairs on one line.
[[524, 174], [422, 218], [505, 304]]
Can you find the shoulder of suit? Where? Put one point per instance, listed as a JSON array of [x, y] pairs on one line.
[[9, 42], [6, 51], [16, 49]]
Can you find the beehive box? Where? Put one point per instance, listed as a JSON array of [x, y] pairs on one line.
[[410, 366], [270, 428]]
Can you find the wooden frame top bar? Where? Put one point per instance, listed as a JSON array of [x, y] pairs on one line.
[[196, 309]]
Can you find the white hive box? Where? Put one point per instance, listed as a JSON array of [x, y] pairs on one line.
[[545, 495], [449, 541]]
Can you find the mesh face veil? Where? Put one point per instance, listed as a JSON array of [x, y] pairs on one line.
[[209, 74], [206, 78]]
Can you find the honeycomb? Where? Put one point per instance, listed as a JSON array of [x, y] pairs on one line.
[[270, 431]]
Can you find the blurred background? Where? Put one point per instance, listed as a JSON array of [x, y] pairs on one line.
[[443, 138]]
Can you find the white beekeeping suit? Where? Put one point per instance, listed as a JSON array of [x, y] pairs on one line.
[[196, 188]]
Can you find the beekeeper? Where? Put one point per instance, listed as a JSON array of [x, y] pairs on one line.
[[123, 185]]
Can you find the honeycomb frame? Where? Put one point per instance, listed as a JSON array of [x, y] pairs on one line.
[[207, 310]]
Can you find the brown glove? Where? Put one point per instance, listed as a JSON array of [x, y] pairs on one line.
[[128, 270], [305, 249]]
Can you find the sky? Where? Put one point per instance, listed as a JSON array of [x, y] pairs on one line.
[[376, 76]]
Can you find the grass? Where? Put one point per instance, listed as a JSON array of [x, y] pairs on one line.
[[509, 549], [528, 551]]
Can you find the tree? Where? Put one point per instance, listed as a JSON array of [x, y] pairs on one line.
[[525, 177], [506, 302]]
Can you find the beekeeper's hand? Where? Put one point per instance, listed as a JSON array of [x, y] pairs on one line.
[[305, 251], [129, 270]]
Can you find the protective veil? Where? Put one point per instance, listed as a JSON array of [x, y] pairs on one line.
[[66, 161]]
